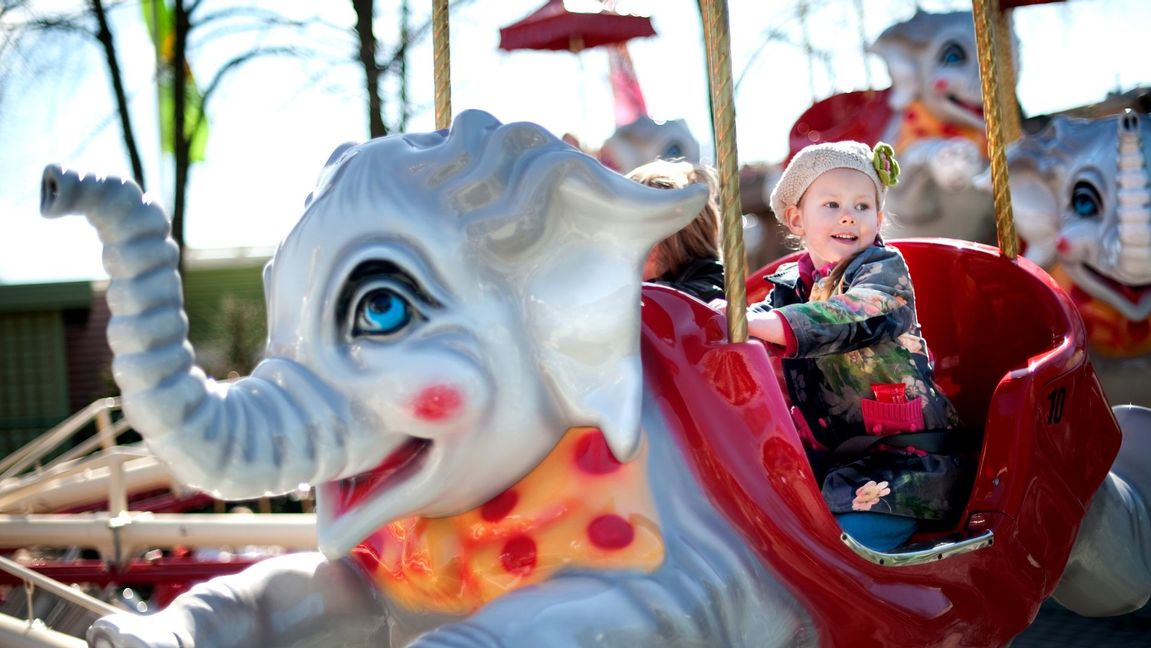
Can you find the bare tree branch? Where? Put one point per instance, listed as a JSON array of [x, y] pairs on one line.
[[104, 36], [232, 66]]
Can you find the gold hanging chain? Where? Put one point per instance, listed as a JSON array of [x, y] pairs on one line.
[[718, 45], [442, 63], [983, 12]]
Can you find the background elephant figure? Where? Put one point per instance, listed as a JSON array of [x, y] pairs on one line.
[[933, 115], [1080, 196]]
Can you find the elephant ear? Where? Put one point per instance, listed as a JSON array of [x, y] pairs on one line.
[[582, 298], [900, 57]]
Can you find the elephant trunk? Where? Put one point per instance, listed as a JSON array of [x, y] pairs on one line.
[[1109, 569], [246, 439], [1134, 209]]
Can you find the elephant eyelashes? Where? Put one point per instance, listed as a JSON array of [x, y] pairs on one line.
[[380, 300]]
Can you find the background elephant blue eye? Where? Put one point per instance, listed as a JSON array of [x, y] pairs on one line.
[[953, 54], [1085, 200], [673, 150], [382, 312]]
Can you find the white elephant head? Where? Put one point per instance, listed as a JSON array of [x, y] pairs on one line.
[[932, 58], [645, 140], [1081, 198], [447, 306]]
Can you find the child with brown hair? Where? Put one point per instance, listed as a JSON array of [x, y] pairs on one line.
[[689, 259]]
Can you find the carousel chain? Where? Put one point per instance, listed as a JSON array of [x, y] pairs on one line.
[[718, 46], [442, 58], [987, 44]]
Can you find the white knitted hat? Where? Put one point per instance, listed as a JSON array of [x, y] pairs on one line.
[[878, 164]]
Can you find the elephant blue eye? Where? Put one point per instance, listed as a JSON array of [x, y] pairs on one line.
[[1085, 200], [952, 54], [673, 150], [382, 311]]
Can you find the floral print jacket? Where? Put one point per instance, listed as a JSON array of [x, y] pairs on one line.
[[866, 332]]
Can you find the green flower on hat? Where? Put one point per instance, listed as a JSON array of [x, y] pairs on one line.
[[883, 159]]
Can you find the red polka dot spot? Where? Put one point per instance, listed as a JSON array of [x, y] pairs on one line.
[[593, 456], [519, 555], [610, 532], [498, 507]]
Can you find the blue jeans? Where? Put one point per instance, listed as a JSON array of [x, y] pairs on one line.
[[877, 531]]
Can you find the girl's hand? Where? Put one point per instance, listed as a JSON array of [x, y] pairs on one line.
[[765, 326], [867, 495]]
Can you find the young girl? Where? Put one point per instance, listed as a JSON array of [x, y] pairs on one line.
[[689, 259], [856, 366]]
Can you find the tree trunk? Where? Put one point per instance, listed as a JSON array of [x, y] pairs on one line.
[[365, 11], [405, 40], [182, 143], [104, 35]]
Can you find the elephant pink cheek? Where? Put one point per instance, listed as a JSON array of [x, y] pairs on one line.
[[437, 403], [941, 85]]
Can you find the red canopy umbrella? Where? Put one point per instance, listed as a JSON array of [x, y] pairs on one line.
[[553, 27]]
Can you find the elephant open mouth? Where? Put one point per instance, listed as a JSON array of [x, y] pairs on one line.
[[396, 467], [974, 108], [1133, 294]]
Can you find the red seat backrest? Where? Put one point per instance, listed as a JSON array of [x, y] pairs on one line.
[[982, 316]]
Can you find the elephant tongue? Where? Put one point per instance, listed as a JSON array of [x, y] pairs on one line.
[[353, 490]]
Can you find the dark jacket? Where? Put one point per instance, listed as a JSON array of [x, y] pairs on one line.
[[865, 333], [700, 278]]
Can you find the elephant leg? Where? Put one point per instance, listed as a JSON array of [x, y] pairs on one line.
[[294, 600], [1109, 571]]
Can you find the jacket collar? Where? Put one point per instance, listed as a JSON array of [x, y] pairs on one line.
[[803, 274]]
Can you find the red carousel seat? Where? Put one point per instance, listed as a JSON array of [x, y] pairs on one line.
[[1009, 349]]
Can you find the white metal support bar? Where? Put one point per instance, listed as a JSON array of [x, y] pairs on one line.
[[70, 594]]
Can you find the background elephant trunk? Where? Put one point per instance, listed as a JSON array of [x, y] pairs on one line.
[[1109, 569], [241, 440]]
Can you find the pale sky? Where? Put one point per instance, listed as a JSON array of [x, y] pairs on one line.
[[274, 124]]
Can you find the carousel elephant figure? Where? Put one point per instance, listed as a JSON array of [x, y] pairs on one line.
[[1079, 190], [454, 361], [933, 115], [644, 140], [938, 130], [396, 380]]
